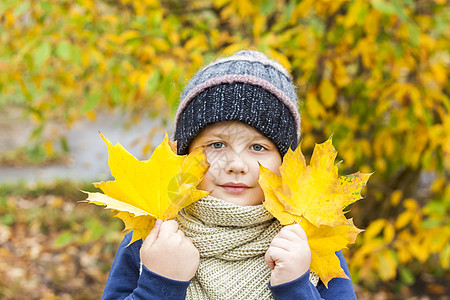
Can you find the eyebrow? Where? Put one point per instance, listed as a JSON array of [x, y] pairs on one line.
[[222, 135]]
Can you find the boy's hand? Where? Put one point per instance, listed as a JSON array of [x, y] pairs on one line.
[[167, 252], [289, 255]]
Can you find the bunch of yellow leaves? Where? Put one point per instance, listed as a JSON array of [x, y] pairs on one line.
[[157, 188], [314, 196]]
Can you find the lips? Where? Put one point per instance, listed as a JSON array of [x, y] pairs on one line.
[[235, 188]]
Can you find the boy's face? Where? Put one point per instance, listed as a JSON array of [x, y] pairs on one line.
[[233, 150]]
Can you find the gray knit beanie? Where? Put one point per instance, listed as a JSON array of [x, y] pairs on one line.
[[246, 87]]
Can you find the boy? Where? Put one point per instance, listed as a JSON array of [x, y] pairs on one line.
[[243, 111]]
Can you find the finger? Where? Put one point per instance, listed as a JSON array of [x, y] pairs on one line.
[[295, 229], [298, 229], [287, 234], [282, 243], [269, 260], [168, 228], [273, 255], [153, 235], [180, 233]]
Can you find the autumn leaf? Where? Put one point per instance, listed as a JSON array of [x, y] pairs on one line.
[[268, 181], [314, 196], [324, 242], [315, 192], [157, 188]]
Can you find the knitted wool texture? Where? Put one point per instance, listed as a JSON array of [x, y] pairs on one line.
[[232, 241], [246, 87]]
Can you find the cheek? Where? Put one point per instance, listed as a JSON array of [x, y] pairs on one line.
[[276, 169], [214, 171], [254, 167], [214, 158], [206, 182], [218, 161], [272, 164]]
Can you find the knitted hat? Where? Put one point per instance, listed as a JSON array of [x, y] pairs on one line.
[[246, 87]]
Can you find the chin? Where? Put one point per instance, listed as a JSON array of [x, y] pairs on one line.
[[243, 201]]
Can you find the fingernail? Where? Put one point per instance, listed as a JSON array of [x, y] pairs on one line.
[[158, 222]]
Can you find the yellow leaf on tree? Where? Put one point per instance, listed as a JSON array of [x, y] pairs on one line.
[[327, 93], [314, 196], [146, 190]]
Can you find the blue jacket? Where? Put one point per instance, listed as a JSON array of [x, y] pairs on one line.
[[124, 281]]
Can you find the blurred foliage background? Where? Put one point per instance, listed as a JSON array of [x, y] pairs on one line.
[[372, 73]]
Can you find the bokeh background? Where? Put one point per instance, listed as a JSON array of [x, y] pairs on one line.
[[372, 73]]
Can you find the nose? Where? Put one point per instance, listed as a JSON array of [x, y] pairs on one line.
[[236, 164]]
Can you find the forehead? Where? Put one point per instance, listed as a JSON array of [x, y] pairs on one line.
[[230, 128]]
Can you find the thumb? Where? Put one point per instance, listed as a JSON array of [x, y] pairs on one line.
[[269, 259], [154, 233]]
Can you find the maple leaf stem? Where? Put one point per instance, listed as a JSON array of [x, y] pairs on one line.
[[299, 221]]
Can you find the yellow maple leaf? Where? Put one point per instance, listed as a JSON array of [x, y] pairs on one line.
[[268, 181], [324, 242], [314, 196], [146, 190], [315, 192]]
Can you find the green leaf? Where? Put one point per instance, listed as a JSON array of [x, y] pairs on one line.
[[38, 130], [115, 93], [41, 54], [96, 229], [441, 24], [91, 102], [400, 11], [76, 55], [153, 82], [414, 33], [64, 145], [8, 219], [64, 239], [21, 9], [430, 223], [166, 87], [317, 26], [4, 5], [266, 7], [384, 7], [64, 50], [362, 15], [406, 276], [288, 11], [46, 6]]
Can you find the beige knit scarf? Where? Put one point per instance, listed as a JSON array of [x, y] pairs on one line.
[[232, 241]]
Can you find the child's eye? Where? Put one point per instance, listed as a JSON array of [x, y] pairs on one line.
[[217, 145], [258, 147]]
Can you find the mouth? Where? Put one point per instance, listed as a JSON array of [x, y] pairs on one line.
[[235, 188]]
